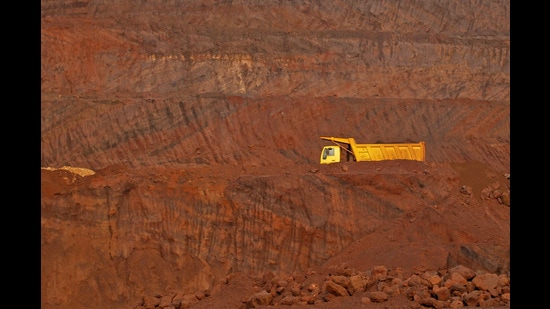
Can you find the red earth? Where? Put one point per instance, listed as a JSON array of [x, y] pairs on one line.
[[190, 136]]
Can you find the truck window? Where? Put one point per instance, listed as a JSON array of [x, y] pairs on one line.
[[328, 152]]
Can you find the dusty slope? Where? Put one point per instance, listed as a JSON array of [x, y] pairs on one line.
[[202, 123], [192, 83], [146, 233]]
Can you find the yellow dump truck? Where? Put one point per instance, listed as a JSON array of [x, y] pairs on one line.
[[371, 152]]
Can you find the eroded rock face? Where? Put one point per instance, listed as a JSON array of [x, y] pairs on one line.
[[201, 123], [160, 83], [143, 233]]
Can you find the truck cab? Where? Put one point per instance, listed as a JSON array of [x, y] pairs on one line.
[[330, 154]]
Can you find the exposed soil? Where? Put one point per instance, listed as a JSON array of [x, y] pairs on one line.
[[180, 146]]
